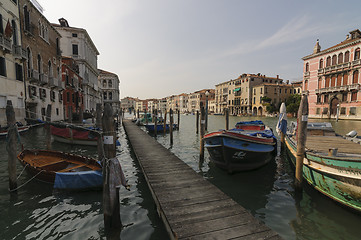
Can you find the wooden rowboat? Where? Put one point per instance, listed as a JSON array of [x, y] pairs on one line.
[[21, 129], [332, 164], [63, 170]]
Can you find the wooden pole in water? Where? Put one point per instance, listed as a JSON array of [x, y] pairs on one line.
[[11, 145], [201, 140], [227, 118], [98, 124], [302, 120], [146, 117], [178, 122], [197, 122], [110, 191], [171, 126], [48, 133], [155, 122], [165, 121], [138, 113], [283, 111]]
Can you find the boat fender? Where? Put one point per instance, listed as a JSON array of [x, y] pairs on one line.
[[351, 134]]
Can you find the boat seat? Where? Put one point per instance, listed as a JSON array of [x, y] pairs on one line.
[[42, 162], [72, 168]]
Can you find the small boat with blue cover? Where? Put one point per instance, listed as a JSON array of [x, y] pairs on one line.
[[63, 170], [248, 146], [160, 127]]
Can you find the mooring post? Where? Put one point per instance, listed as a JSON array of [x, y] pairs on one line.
[[178, 122], [11, 145], [227, 118], [98, 124], [110, 196], [146, 116], [201, 140], [48, 133], [282, 118], [165, 122], [197, 122], [302, 120], [155, 122], [81, 115], [171, 126], [138, 113]]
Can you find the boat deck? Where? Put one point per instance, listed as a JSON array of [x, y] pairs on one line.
[[190, 206], [324, 143]]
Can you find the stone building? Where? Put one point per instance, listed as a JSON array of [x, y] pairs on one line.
[[77, 44], [73, 99], [331, 78], [12, 56], [222, 96], [109, 88], [128, 103], [43, 65]]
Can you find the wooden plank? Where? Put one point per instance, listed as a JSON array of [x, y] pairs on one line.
[[190, 206], [323, 143]]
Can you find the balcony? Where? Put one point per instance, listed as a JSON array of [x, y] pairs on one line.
[[34, 76], [5, 43], [356, 62], [338, 67], [43, 78], [19, 52], [53, 82], [355, 86]]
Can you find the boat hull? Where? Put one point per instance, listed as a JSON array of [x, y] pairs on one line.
[[160, 127], [72, 136], [75, 141], [335, 177], [63, 170], [236, 154]]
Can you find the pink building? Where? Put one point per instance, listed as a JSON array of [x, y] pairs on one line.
[[331, 78]]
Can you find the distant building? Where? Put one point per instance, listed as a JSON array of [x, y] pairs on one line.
[[331, 78], [183, 103], [199, 97], [128, 104], [12, 55], [77, 44], [221, 96], [43, 65], [109, 89]]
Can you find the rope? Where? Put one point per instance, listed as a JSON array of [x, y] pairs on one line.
[[26, 182], [22, 171]]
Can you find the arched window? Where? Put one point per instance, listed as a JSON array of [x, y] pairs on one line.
[[306, 85], [320, 83], [104, 83], [15, 32], [357, 54], [347, 56], [340, 58], [29, 62], [327, 81], [26, 19], [334, 60], [110, 84], [339, 80], [328, 61], [40, 70], [105, 96], [110, 95], [321, 63], [333, 81], [66, 77], [355, 77], [307, 67], [345, 79], [50, 69]]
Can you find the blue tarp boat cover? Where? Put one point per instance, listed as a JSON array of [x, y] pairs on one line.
[[78, 180], [255, 122], [263, 133]]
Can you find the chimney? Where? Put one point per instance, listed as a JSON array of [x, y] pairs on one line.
[[278, 76], [288, 81], [317, 47]]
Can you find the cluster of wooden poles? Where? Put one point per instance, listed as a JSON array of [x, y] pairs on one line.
[[106, 152]]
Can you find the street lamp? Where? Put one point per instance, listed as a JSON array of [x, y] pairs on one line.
[[207, 94]]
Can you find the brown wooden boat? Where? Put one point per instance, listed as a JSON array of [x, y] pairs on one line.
[[65, 170]]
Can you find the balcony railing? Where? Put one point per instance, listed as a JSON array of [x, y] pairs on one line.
[[5, 43], [356, 62], [43, 78], [19, 52], [355, 86], [34, 76]]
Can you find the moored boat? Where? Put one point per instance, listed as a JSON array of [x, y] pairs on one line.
[[74, 136], [332, 164], [160, 127], [63, 170], [248, 146], [21, 129]]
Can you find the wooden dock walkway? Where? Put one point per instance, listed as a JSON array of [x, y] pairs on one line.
[[190, 206]]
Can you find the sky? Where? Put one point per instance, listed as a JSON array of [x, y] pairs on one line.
[[160, 48]]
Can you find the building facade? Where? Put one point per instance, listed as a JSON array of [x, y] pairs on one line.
[[332, 80], [43, 65], [109, 88], [12, 56], [77, 44]]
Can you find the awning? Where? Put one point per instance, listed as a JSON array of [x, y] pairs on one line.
[[237, 89]]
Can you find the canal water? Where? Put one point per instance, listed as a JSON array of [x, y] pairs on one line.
[[39, 212]]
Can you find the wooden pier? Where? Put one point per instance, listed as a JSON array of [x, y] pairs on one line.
[[190, 206]]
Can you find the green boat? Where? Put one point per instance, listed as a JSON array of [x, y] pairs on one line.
[[332, 164]]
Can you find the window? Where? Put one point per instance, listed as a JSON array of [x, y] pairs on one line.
[[74, 34], [352, 110], [357, 54], [105, 96], [110, 95], [307, 67], [344, 97], [325, 99], [19, 72], [318, 110], [320, 83], [347, 56], [2, 67], [306, 85], [254, 100], [73, 98], [339, 80], [67, 97], [75, 49], [340, 58], [318, 99], [345, 79], [104, 83], [57, 111], [353, 96], [60, 97], [355, 77], [26, 19], [328, 61], [334, 60], [333, 81], [327, 82], [343, 111], [1, 25], [321, 63]]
